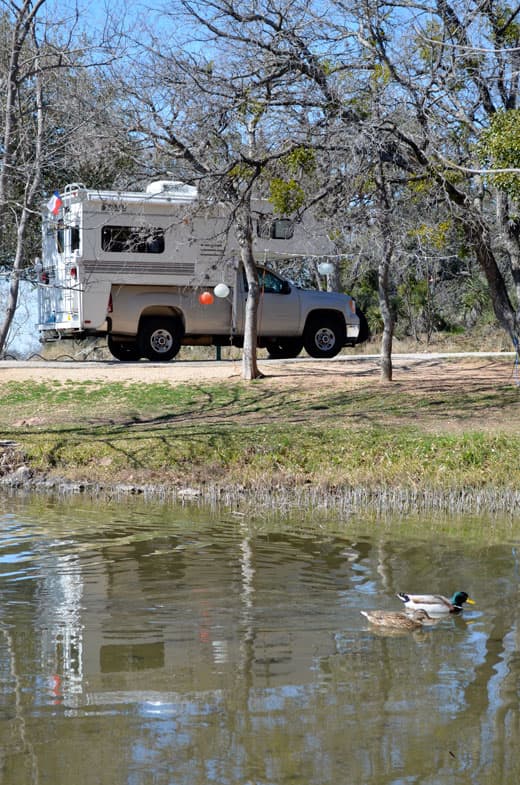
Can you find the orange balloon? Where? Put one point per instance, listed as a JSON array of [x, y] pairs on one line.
[[206, 298]]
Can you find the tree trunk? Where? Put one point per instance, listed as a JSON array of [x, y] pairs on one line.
[[478, 236], [14, 283], [383, 276], [244, 230], [250, 368], [333, 278], [509, 226], [388, 319]]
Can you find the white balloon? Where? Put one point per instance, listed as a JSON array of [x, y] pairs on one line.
[[221, 290], [325, 268]]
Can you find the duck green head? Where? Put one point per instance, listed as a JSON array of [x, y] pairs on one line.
[[459, 598]]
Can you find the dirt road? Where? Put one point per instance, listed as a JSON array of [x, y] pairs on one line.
[[434, 371]]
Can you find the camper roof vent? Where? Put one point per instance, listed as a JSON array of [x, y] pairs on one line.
[[170, 186], [73, 187]]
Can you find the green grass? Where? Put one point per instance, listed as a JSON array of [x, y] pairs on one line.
[[264, 435], [77, 403]]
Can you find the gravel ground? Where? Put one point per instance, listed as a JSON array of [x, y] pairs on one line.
[[433, 370]]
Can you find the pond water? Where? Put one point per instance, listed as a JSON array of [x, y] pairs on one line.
[[185, 646]]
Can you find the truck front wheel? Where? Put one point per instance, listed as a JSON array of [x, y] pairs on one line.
[[160, 339], [323, 337]]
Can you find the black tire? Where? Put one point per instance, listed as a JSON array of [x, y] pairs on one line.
[[284, 348], [324, 337], [160, 339], [364, 329], [126, 351]]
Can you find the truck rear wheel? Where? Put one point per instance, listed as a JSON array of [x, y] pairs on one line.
[[323, 337], [126, 351], [284, 348], [160, 339]]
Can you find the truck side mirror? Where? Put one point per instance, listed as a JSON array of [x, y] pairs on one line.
[[286, 287]]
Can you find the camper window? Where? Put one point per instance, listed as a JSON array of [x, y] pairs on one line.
[[278, 229], [60, 237], [131, 239], [74, 238]]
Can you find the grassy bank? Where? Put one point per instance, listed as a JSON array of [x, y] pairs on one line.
[[392, 442]]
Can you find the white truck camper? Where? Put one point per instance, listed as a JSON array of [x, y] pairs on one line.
[[156, 270]]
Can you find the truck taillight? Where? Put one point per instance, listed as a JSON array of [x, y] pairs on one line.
[[352, 305], [44, 277], [110, 306], [74, 272]]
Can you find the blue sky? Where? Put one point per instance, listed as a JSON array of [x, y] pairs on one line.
[[23, 336]]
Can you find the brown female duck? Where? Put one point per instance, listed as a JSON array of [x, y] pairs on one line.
[[398, 620]]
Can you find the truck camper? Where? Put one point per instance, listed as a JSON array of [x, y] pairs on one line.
[[158, 269]]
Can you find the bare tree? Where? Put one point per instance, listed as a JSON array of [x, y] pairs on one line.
[[454, 68], [19, 183], [233, 105], [49, 104], [205, 147]]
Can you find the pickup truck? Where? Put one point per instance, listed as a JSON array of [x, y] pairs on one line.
[[155, 321]]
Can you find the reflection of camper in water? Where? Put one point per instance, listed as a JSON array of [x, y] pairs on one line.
[[179, 605], [99, 621], [59, 602]]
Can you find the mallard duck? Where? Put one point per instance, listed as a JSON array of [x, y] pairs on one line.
[[398, 620], [435, 603]]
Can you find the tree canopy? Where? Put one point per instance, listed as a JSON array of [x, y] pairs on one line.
[[396, 122]]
